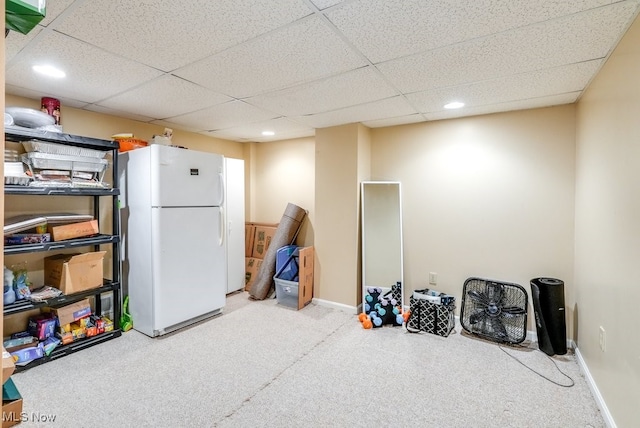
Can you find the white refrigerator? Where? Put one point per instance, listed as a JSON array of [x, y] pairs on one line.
[[174, 254]]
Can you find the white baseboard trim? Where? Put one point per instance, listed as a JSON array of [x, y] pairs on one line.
[[340, 306], [606, 415], [532, 336]]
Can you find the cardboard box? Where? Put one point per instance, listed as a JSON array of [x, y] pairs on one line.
[[11, 404], [252, 266], [72, 273], [74, 230], [249, 233], [262, 240], [7, 365], [70, 313], [298, 294]]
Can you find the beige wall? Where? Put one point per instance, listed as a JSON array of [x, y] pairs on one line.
[[487, 196], [364, 174], [336, 214], [607, 262], [283, 172]]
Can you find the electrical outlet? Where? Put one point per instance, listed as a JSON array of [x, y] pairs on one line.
[[433, 278], [603, 343]]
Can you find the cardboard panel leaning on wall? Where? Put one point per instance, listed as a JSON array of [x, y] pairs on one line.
[[305, 266]]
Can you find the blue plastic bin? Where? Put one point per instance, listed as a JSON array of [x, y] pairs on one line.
[[287, 263]]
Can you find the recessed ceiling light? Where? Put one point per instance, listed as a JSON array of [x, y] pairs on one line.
[[454, 104], [49, 70], [268, 133]]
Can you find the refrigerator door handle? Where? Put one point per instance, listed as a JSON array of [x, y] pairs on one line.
[[221, 181], [221, 227]]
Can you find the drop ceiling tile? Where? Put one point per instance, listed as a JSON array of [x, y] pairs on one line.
[[323, 4], [222, 116], [15, 42], [391, 107], [284, 129], [291, 72], [536, 84], [582, 37], [118, 113], [351, 88], [54, 9], [302, 52], [169, 34], [394, 121], [552, 100], [92, 74], [164, 97], [388, 29]]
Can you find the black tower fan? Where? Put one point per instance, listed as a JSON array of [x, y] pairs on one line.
[[494, 310], [548, 307]]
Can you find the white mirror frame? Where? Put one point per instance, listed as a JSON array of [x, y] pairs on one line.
[[374, 245]]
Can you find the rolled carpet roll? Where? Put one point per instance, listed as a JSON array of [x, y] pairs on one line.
[[285, 234]]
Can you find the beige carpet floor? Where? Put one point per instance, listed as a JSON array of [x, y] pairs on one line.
[[263, 365]]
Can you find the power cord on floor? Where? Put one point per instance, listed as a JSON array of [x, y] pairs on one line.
[[540, 374]]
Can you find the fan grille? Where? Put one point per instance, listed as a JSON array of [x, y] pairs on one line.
[[494, 310]]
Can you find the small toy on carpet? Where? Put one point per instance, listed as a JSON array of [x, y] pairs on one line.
[[365, 320]]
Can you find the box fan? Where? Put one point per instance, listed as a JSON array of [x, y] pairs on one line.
[[494, 310]]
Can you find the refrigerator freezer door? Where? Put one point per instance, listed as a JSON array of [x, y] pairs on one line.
[[185, 178], [189, 265]]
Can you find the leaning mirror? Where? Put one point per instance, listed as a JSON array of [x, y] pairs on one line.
[[382, 272]]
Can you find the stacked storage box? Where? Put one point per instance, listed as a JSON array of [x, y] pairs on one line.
[[294, 276], [258, 237]]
